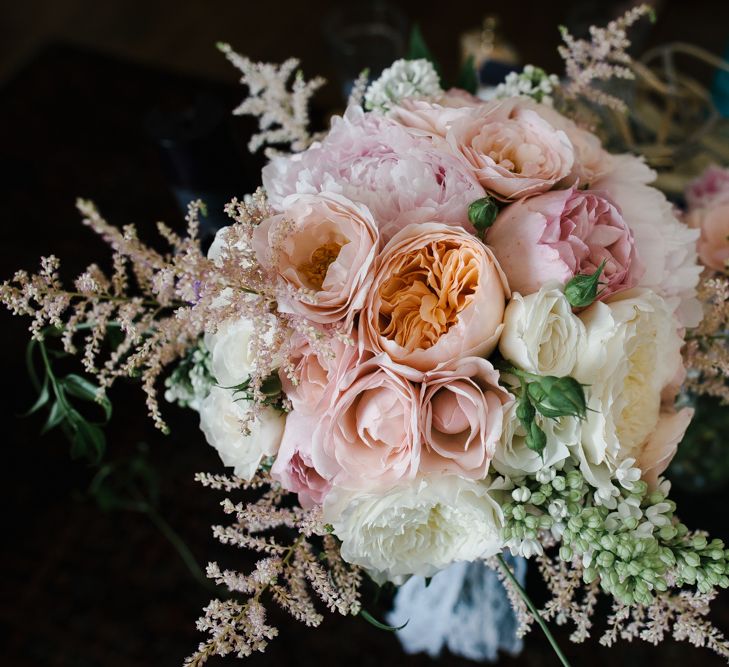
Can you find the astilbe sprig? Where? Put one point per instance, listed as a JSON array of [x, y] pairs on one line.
[[283, 113], [602, 58], [292, 574]]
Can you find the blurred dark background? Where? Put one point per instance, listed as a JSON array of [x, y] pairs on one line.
[[126, 102]]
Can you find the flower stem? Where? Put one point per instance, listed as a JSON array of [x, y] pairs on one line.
[[537, 617]]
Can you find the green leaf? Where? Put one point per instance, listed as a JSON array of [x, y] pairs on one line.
[[525, 411], [88, 440], [80, 387], [482, 213], [55, 417], [418, 49], [271, 386], [558, 397], [380, 626], [43, 398], [468, 77], [536, 439], [581, 291]]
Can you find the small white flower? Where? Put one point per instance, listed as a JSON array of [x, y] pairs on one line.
[[606, 496], [627, 474], [521, 495], [526, 548], [545, 475], [655, 514], [557, 509], [530, 82], [404, 78]]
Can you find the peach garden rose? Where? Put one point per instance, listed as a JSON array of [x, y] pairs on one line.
[[322, 247], [438, 294]]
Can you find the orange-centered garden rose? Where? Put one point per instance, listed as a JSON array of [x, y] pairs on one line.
[[438, 294]]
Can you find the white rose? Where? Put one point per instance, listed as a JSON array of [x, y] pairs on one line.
[[541, 334], [231, 357], [221, 420], [417, 528], [514, 459], [632, 353]]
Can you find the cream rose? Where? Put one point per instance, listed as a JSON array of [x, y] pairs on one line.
[[221, 420], [461, 417], [541, 334], [513, 150], [325, 257], [631, 356], [416, 528], [231, 353], [438, 295], [369, 437]]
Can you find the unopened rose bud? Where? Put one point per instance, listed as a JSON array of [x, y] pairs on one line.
[[581, 290], [482, 214], [558, 397]]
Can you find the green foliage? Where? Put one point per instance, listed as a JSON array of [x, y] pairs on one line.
[[468, 77], [378, 624], [418, 49], [63, 397]]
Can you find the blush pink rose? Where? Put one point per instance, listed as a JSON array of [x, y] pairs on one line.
[[438, 295], [322, 248], [461, 417], [713, 244], [512, 149], [373, 160], [317, 373], [712, 187], [369, 438], [293, 468], [560, 234]]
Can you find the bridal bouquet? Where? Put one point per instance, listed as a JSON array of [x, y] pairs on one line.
[[448, 327]]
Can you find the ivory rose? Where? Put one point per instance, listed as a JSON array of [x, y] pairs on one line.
[[713, 244], [373, 160], [438, 295], [293, 466], [560, 234], [631, 358], [513, 151], [541, 335], [369, 437], [222, 421], [416, 528], [323, 245], [461, 417]]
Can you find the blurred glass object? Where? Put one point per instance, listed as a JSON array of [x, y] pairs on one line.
[[493, 57], [702, 461], [199, 155], [365, 36]]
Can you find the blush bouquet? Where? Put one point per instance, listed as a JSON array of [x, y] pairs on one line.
[[444, 328]]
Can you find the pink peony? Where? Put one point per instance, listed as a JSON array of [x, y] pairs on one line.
[[369, 437], [322, 248], [711, 188], [432, 118], [373, 160], [713, 244], [658, 450], [293, 468], [560, 234], [462, 416], [512, 149], [438, 295]]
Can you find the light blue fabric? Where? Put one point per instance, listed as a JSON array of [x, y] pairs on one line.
[[464, 609]]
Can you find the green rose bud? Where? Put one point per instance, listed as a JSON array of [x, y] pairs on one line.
[[525, 412], [536, 439], [558, 397], [581, 291], [482, 214]]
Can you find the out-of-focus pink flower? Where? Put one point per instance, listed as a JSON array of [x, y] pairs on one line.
[[461, 417], [438, 295], [658, 451], [371, 159], [564, 233], [710, 189], [713, 244]]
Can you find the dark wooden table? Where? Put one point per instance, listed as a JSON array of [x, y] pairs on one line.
[[84, 588]]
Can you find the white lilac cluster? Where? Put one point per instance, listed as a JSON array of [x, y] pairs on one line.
[[191, 381], [403, 79], [531, 82], [460, 313]]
